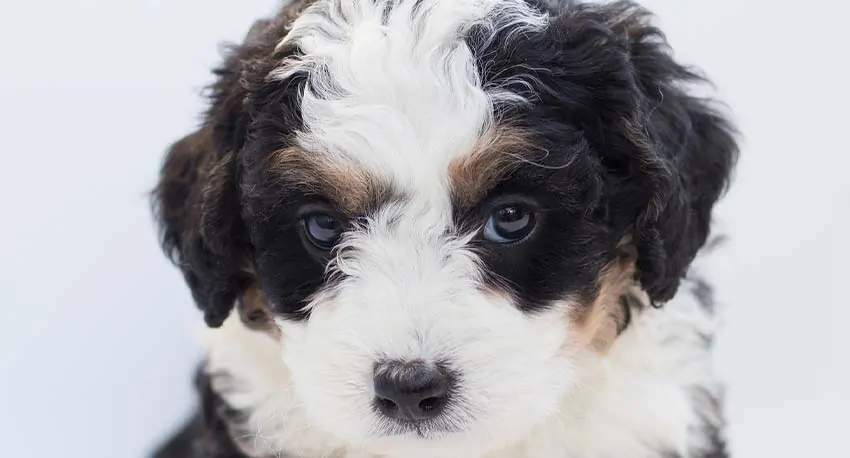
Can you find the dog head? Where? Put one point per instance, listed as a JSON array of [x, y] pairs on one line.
[[436, 207]]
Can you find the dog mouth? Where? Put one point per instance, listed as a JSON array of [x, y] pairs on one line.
[[430, 430]]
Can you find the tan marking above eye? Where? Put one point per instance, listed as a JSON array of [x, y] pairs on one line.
[[352, 189], [500, 151]]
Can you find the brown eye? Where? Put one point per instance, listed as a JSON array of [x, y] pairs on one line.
[[322, 230], [509, 223]]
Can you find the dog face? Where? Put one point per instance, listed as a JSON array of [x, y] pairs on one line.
[[436, 208]]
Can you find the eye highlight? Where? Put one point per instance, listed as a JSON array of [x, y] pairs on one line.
[[322, 230], [510, 222]]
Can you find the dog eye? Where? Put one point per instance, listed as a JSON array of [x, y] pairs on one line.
[[510, 223], [322, 230]]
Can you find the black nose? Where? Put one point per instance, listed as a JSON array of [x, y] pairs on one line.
[[410, 391]]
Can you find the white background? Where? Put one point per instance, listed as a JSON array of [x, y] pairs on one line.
[[96, 336]]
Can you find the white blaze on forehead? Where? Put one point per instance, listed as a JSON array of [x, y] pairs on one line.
[[392, 85]]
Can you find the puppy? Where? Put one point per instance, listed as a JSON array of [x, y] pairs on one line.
[[450, 228]]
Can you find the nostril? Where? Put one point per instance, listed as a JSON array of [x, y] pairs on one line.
[[387, 406], [432, 404]]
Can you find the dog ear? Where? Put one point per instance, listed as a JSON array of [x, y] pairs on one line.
[[196, 204], [669, 158], [197, 199], [685, 150]]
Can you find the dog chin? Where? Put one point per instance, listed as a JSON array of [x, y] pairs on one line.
[[443, 439], [432, 443]]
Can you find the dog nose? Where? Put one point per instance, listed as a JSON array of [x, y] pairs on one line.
[[410, 391]]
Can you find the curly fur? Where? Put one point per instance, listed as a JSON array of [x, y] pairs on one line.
[[410, 117]]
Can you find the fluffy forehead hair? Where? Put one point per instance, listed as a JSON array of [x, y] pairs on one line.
[[396, 73], [408, 95]]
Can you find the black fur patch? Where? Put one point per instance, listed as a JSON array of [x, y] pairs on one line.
[[712, 432], [629, 154], [206, 434], [220, 211]]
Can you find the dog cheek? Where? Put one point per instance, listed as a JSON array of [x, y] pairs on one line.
[[330, 368], [597, 321]]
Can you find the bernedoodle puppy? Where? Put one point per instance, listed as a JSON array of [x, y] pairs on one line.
[[451, 229]]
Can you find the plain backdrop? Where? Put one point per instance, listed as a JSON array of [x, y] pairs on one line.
[[97, 330]]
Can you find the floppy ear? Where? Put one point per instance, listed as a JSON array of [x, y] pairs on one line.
[[196, 204], [666, 155], [196, 201], [683, 150]]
